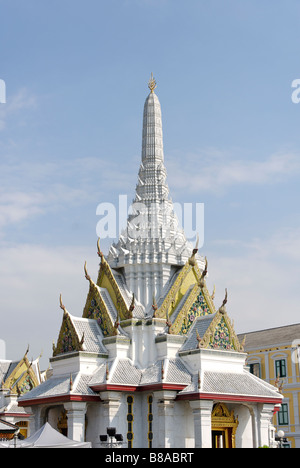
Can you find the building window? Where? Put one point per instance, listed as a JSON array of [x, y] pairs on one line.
[[286, 445], [150, 421], [283, 415], [255, 369], [130, 419], [23, 425], [280, 368]]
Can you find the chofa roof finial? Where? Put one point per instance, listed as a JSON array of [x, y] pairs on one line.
[[100, 254], [87, 276], [154, 305], [192, 259], [203, 275], [27, 351], [222, 309], [61, 305]]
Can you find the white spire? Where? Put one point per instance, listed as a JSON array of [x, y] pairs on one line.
[[153, 243], [152, 186]]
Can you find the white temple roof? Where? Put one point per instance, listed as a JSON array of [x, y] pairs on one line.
[[231, 384]]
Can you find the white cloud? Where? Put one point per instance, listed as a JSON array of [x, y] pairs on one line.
[[29, 189], [31, 279], [20, 101], [262, 277], [221, 171], [17, 206]]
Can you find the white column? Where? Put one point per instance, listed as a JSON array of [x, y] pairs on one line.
[[202, 410], [254, 426], [111, 403], [296, 411], [76, 420], [37, 420], [165, 403], [31, 423], [264, 415]]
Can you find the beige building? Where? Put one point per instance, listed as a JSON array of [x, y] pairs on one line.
[[273, 355]]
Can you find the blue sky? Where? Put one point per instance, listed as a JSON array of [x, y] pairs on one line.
[[76, 74]]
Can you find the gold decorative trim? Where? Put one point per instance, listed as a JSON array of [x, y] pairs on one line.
[[223, 420], [208, 298], [171, 300], [113, 290], [67, 327], [94, 293], [175, 295], [20, 375], [177, 325], [206, 340]]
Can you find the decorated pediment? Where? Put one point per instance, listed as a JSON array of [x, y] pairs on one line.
[[213, 331], [187, 278], [22, 379], [98, 308], [187, 299], [105, 302], [198, 304], [26, 383], [220, 335], [68, 339], [106, 280]]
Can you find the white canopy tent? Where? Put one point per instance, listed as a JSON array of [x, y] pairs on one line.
[[47, 437]]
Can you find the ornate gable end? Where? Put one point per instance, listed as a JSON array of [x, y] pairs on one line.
[[198, 304], [96, 309], [193, 298], [186, 283], [22, 378], [221, 337], [68, 340], [107, 281], [220, 334], [27, 382]]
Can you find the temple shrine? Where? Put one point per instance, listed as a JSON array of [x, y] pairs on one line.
[[153, 356]]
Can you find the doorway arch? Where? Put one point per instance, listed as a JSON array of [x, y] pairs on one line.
[[223, 426]]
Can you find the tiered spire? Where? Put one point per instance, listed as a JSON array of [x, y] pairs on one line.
[[152, 191], [153, 235]]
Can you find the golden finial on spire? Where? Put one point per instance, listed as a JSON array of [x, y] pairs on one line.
[[152, 84]]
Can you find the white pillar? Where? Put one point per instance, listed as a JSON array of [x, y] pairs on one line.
[[264, 415], [76, 420], [31, 423], [111, 403], [165, 403], [202, 410]]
